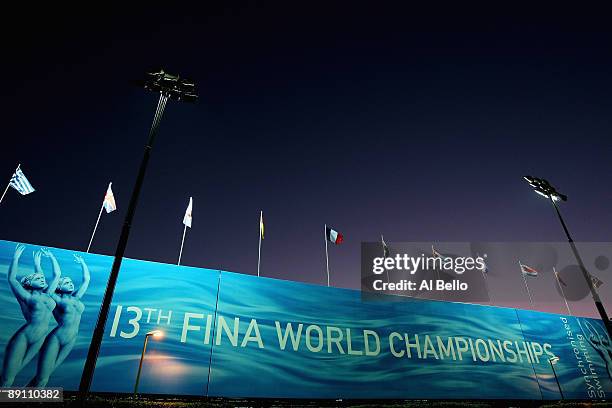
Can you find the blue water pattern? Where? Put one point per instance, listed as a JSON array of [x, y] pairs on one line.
[[234, 335]]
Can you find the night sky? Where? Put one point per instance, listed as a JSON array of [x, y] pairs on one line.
[[405, 122]]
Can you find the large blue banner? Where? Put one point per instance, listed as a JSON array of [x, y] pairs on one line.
[[234, 335]]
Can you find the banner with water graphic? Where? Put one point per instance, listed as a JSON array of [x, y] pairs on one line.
[[233, 335]]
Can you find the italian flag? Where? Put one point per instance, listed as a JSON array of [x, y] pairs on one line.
[[333, 236]]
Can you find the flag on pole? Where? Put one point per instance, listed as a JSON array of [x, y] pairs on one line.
[[528, 271], [558, 276], [188, 218], [596, 281], [20, 182], [109, 200], [386, 251], [485, 269], [109, 205], [437, 254], [261, 225], [333, 236]]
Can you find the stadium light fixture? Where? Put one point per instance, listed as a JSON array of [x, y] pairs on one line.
[[544, 188], [169, 87]]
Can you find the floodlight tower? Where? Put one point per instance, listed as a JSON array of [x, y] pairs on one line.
[[169, 87], [545, 189]]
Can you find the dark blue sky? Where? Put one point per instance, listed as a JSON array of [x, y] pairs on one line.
[[391, 120]]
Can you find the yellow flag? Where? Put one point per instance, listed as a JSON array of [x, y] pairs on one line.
[[261, 225]]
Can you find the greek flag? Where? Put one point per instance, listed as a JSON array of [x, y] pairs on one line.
[[20, 182]]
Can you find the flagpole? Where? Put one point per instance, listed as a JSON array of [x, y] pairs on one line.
[[382, 239], [9, 184], [484, 277], [326, 253], [259, 250], [526, 285], [5, 190], [95, 227], [182, 242], [433, 252], [562, 292], [487, 287]]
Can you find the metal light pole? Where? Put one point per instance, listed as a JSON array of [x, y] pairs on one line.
[[553, 361], [169, 87], [154, 333], [544, 188]]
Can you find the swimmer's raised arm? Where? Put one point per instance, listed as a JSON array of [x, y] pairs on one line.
[[86, 276], [57, 272], [37, 260], [16, 287]]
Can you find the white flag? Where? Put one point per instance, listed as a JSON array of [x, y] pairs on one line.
[[187, 218], [109, 200]]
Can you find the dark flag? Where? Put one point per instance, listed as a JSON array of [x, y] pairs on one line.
[[596, 281], [386, 251]]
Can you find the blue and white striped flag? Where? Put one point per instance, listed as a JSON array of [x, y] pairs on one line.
[[20, 182]]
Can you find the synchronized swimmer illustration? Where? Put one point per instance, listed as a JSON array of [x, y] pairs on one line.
[[38, 301], [600, 343]]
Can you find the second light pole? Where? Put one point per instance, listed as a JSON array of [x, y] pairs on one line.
[[545, 189]]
